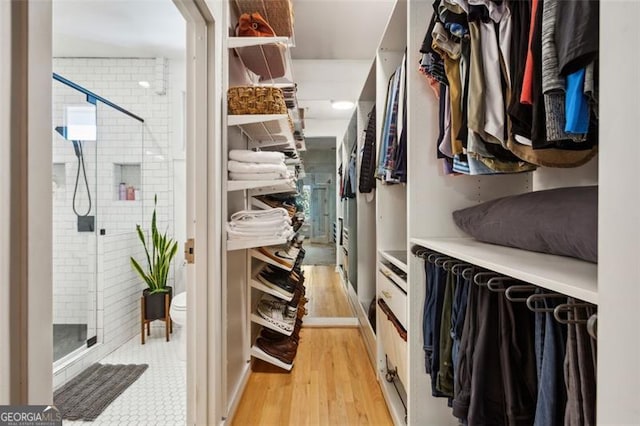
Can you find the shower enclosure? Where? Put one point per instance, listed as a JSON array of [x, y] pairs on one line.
[[98, 153]]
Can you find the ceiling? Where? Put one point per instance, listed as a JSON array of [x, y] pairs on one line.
[[335, 45]]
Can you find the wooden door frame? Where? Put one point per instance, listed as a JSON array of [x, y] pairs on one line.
[[203, 221]]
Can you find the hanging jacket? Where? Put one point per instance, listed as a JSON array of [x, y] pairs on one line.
[[367, 166]]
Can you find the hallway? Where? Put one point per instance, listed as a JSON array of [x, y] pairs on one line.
[[326, 294], [332, 383]]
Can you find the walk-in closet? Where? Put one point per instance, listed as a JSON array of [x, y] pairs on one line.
[[544, 298], [466, 316]]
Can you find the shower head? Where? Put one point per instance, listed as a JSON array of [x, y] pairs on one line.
[[62, 130]]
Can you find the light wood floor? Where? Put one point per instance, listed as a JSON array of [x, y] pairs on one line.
[[331, 383], [327, 297]]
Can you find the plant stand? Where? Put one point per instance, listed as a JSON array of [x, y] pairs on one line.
[[145, 322]]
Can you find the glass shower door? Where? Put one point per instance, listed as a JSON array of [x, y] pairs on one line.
[[74, 187]]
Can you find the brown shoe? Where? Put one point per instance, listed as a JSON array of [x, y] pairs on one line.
[[285, 352]]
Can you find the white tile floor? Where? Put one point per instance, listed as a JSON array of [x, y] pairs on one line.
[[159, 396]]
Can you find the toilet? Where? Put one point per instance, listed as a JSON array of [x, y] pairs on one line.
[[178, 312]]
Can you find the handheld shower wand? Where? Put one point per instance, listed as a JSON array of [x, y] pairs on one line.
[[85, 222], [77, 146]]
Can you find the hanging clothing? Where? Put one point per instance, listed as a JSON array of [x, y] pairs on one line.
[[367, 165]]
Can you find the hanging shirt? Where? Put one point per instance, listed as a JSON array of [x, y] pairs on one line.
[[527, 83], [577, 34]]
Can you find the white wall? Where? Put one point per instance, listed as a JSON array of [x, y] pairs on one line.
[[158, 147], [121, 140]]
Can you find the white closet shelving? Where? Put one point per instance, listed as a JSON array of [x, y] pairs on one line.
[[265, 130], [242, 291], [246, 244], [264, 186], [256, 352], [396, 257], [254, 49], [420, 213], [558, 273]]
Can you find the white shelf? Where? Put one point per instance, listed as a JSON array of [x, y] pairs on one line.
[[263, 288], [397, 257], [237, 42], [256, 318], [256, 352], [387, 272], [282, 188], [257, 50], [565, 275], [247, 244], [277, 185], [265, 130], [259, 204]]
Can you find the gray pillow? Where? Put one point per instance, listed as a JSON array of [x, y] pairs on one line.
[[560, 221]]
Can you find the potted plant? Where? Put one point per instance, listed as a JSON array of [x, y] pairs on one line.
[[163, 249]]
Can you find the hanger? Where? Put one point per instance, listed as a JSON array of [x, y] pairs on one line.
[[511, 292], [531, 301], [457, 269], [569, 308], [448, 264], [467, 273], [497, 284], [478, 278], [592, 326]]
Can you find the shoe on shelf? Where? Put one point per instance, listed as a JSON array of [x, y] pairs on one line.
[[278, 282], [271, 202], [279, 255], [285, 353], [276, 314], [274, 336]]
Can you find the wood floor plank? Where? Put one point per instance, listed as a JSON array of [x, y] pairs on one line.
[[326, 294], [332, 383]]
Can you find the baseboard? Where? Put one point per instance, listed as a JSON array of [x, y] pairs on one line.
[[330, 322], [394, 403], [237, 395]]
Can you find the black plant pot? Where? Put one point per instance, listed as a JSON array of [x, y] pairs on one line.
[[154, 305]]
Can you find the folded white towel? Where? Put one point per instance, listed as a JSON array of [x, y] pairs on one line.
[[257, 176], [246, 156], [238, 167], [235, 234], [277, 213]]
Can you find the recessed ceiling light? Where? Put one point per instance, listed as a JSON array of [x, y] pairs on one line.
[[342, 105], [144, 84]]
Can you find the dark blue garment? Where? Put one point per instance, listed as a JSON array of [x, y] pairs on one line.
[[436, 284], [427, 327], [550, 343], [457, 317]]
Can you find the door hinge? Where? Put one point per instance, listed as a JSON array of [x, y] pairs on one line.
[[189, 251]]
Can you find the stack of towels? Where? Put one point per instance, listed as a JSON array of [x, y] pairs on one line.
[[257, 165], [260, 224]]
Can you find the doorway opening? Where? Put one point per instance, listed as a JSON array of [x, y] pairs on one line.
[[119, 154], [320, 194]]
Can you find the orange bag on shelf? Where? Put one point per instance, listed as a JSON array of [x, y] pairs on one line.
[[253, 25]]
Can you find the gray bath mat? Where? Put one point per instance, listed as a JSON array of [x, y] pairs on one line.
[[90, 392]]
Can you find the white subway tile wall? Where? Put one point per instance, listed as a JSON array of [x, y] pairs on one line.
[[93, 270]]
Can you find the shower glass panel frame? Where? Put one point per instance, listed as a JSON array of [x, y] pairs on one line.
[[79, 229]]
